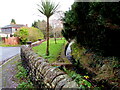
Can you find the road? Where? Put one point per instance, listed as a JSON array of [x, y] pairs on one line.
[[7, 52]]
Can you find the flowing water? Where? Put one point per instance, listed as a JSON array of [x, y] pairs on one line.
[[68, 53]]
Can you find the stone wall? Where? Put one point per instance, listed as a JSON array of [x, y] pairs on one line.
[[42, 73]]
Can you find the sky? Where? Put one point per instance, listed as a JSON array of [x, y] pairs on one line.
[[25, 11]]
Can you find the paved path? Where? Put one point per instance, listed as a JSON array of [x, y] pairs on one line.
[[7, 73], [8, 52]]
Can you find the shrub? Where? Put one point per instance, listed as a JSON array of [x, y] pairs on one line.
[[22, 34], [29, 34], [35, 34]]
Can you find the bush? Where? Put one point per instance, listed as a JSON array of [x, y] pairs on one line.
[[22, 33], [35, 34], [29, 34]]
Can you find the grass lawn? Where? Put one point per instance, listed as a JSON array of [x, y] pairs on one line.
[[54, 49]]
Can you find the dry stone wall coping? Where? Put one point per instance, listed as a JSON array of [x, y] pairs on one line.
[[42, 71]]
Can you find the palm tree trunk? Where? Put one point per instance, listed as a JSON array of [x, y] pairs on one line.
[[47, 36]]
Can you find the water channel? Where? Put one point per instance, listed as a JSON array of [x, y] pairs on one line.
[[68, 53]]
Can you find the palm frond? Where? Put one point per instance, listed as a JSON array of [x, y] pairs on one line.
[[47, 8]]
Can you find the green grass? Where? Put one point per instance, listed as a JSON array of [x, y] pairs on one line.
[[54, 49]]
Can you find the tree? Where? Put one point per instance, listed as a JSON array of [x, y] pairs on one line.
[[57, 27], [13, 21], [42, 26], [34, 24], [95, 26], [47, 8]]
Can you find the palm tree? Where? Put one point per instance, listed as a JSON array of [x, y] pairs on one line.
[[47, 8]]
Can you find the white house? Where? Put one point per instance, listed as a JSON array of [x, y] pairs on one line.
[[9, 30]]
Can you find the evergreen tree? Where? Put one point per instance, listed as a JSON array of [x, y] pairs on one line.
[[35, 24], [13, 21], [95, 26]]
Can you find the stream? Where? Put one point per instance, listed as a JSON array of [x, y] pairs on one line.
[[68, 53]]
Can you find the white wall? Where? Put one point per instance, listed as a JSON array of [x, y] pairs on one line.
[[4, 35]]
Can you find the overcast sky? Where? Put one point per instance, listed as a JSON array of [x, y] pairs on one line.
[[25, 11]]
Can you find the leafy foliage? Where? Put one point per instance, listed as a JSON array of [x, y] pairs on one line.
[[42, 26], [102, 69], [25, 85], [22, 73], [29, 34], [22, 77], [13, 21], [48, 8], [95, 26], [22, 33], [35, 34], [79, 79], [35, 24]]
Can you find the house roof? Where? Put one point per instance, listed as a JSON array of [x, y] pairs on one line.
[[14, 25]]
